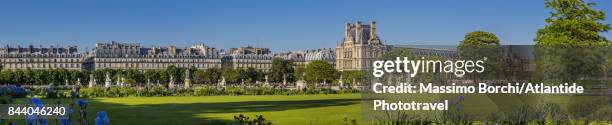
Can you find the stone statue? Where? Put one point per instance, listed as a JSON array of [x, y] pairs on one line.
[[78, 82], [92, 80], [107, 82], [171, 84], [266, 83], [340, 82], [222, 83], [284, 79], [187, 80], [118, 81]]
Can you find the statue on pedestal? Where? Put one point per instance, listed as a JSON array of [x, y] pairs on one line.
[[301, 84], [222, 83], [284, 79], [266, 83], [92, 80], [187, 80], [171, 84], [107, 82], [340, 82], [78, 82]]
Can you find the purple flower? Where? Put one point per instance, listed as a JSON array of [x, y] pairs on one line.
[[82, 103], [460, 97], [102, 118], [43, 122], [37, 102], [64, 121], [30, 120]]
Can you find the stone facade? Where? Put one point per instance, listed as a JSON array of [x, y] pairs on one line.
[[116, 55], [244, 61], [40, 58], [248, 50], [307, 56], [361, 46]]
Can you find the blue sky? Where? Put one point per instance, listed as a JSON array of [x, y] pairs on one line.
[[278, 24]]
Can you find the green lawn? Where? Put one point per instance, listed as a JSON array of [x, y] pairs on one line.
[[279, 109]]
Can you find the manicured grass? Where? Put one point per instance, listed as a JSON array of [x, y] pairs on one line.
[[279, 109]]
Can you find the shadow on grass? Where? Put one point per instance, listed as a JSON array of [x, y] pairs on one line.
[[198, 113]]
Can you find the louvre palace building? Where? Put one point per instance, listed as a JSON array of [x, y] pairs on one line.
[[31, 57], [249, 57], [117, 55], [359, 48]]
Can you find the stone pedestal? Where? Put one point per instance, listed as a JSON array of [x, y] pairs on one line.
[[92, 80], [222, 83], [171, 85], [266, 83], [187, 80], [107, 81], [340, 83], [300, 84]]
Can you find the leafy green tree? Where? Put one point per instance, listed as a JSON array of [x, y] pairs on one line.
[[199, 77], [174, 72], [230, 75], [480, 38], [212, 75], [319, 71], [349, 76], [298, 72], [132, 76], [281, 68], [572, 22], [482, 45], [570, 45], [251, 75], [29, 76], [40, 76], [7, 76], [151, 75], [74, 75], [18, 76]]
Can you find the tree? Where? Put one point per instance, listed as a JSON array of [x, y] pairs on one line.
[[298, 72], [7, 76], [281, 68], [480, 37], [173, 72], [570, 45], [230, 75], [151, 75], [199, 77], [349, 76], [75, 75], [478, 45], [319, 71], [29, 76], [18, 76], [572, 22], [40, 77], [212, 75], [252, 75], [132, 76]]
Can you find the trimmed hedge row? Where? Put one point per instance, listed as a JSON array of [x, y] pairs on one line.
[[200, 91]]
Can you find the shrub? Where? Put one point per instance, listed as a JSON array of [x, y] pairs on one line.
[[200, 91]]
